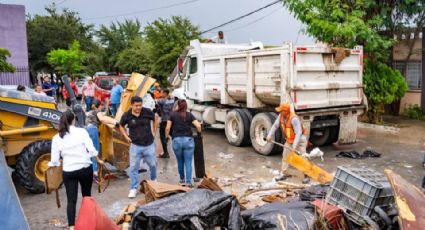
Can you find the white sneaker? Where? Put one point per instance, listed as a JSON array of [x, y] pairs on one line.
[[132, 193]]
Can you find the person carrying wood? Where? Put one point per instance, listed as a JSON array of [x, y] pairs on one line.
[[295, 136]]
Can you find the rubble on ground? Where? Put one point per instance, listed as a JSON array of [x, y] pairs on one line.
[[365, 201]]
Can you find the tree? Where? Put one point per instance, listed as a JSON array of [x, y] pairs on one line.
[[67, 61], [118, 37], [384, 85], [166, 39], [4, 65], [369, 23], [134, 58], [56, 30]]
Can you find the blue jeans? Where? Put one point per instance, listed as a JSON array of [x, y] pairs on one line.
[[114, 108], [136, 154], [94, 136], [88, 101], [183, 149]]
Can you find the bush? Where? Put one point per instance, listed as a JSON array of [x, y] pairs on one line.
[[414, 112], [383, 85]]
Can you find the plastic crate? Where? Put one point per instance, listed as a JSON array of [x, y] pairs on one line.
[[358, 190]]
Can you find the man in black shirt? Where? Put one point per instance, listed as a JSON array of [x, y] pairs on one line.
[[138, 121]]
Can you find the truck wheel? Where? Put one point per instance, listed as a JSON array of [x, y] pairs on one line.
[[333, 135], [236, 127], [31, 165], [320, 137], [260, 126]]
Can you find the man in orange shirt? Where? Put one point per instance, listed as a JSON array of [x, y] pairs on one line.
[[295, 136]]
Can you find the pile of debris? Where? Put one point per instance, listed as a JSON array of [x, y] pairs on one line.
[[356, 198]]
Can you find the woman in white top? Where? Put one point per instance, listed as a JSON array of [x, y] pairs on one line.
[[76, 148]]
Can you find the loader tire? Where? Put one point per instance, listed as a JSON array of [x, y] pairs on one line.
[[260, 126], [236, 127], [31, 164]]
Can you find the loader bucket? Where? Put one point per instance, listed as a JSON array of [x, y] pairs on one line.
[[137, 85]]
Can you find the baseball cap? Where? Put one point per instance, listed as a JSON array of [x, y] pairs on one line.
[[284, 107]]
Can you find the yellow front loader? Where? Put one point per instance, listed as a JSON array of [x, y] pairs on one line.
[[29, 121]]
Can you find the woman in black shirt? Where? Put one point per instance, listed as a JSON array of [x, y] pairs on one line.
[[180, 122]]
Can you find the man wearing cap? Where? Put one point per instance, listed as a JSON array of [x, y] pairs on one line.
[[295, 136]]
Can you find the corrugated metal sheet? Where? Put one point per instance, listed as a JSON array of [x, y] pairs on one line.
[[20, 77]]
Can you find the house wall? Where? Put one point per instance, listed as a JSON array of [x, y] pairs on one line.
[[13, 36]]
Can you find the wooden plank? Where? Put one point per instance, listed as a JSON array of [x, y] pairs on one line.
[[410, 202], [313, 171]]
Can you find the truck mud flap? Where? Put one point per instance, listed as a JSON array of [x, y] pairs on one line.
[[198, 156]]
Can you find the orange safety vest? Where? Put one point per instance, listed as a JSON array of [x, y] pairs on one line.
[[288, 129]]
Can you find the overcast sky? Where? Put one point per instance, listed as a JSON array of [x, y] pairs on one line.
[[272, 25]]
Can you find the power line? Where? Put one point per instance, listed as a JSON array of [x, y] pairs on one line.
[[60, 2], [240, 17], [144, 11], [254, 21]]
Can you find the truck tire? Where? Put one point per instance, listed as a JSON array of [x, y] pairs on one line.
[[333, 135], [236, 127], [248, 116], [260, 126], [320, 137], [31, 165]]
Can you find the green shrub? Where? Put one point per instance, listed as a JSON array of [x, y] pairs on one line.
[[414, 112], [383, 85]]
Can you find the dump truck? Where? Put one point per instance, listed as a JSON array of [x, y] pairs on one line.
[[28, 121], [237, 86]]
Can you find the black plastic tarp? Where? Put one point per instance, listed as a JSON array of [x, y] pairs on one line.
[[197, 209], [314, 192], [291, 216], [11, 213]]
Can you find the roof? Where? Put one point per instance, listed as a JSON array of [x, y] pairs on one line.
[[6, 91]]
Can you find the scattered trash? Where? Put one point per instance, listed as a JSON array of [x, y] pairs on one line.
[[329, 215], [274, 172], [255, 185], [274, 198], [316, 152], [209, 183], [407, 166], [314, 192], [371, 153], [349, 154], [126, 214], [156, 190], [225, 156], [355, 155], [58, 223], [278, 215], [197, 209]]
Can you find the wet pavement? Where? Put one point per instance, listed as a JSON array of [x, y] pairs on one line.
[[237, 168]]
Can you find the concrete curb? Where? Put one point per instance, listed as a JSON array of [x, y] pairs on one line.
[[379, 127]]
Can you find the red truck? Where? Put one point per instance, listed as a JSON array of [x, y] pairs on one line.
[[105, 82]]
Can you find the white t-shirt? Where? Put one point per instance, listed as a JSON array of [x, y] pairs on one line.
[[76, 148]]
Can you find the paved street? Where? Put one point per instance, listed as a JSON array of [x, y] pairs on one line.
[[401, 152]]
